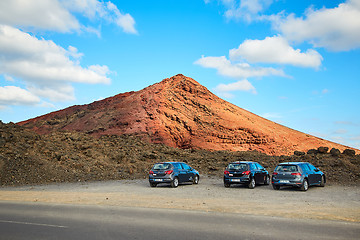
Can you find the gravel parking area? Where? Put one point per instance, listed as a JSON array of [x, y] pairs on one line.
[[333, 202]]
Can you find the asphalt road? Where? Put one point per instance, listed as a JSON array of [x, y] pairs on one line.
[[49, 221]]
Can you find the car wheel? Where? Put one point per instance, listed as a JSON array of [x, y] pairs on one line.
[[305, 185], [153, 184], [276, 187], [267, 180], [322, 183], [227, 185], [252, 183], [175, 183], [196, 179]]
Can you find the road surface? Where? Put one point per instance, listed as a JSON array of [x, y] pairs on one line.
[[20, 221]]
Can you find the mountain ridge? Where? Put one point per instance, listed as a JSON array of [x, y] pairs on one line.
[[179, 112]]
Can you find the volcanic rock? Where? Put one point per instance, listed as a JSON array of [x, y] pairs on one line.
[[335, 152], [181, 113]]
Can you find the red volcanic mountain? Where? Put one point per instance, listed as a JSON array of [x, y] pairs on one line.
[[179, 112]]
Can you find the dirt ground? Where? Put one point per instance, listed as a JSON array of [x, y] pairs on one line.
[[334, 202]]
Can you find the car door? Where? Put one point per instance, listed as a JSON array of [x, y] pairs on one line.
[[262, 173], [308, 173], [315, 174], [179, 171], [187, 172], [257, 174]]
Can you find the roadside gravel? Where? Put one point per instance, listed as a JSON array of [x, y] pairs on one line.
[[334, 202]]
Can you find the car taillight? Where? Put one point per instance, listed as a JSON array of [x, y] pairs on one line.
[[169, 172], [226, 172], [246, 172], [275, 173], [151, 172], [296, 173]]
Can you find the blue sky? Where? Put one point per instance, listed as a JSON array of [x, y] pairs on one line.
[[295, 62]]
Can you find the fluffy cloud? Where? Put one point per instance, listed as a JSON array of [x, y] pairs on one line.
[[44, 65], [275, 50], [336, 29], [57, 15], [242, 85], [11, 95], [41, 14], [248, 10], [227, 68]]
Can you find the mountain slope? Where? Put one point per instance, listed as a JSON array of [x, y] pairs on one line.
[[179, 112]]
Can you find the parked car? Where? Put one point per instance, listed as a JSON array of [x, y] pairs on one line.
[[249, 173], [173, 173], [297, 174]]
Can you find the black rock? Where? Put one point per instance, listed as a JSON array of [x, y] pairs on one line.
[[312, 151], [349, 152], [323, 150], [335, 152]]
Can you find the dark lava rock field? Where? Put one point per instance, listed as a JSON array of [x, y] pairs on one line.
[[27, 158]]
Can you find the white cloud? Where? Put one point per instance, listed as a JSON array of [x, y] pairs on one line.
[[57, 15], [271, 115], [225, 67], [336, 29], [44, 65], [125, 21], [248, 10], [275, 50], [340, 131], [41, 14], [12, 95], [242, 85]]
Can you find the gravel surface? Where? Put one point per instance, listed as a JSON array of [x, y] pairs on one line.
[[334, 202]]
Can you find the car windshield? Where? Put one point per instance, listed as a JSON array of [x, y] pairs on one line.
[[286, 168], [162, 166], [237, 166]]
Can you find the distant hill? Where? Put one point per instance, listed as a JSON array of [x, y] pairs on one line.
[[179, 112]]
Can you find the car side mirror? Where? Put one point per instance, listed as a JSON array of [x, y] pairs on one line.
[[317, 170]]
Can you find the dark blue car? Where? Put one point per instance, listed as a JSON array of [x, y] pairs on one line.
[[173, 173], [248, 173], [297, 174]]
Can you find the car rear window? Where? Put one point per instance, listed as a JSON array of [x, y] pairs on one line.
[[237, 166], [162, 166], [286, 168]]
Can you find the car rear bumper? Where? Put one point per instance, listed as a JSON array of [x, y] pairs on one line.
[[287, 183], [160, 179], [236, 180]]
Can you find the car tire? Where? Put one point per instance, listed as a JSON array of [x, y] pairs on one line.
[[305, 185], [276, 187], [322, 183], [153, 184], [227, 185], [252, 183], [267, 180], [175, 183], [196, 179]]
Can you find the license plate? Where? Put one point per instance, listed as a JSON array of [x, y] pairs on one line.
[[158, 180], [235, 180], [284, 181]]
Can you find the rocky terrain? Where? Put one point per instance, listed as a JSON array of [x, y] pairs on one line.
[[27, 157], [178, 112]]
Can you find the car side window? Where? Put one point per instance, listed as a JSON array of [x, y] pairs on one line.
[[252, 166], [259, 166], [312, 168], [185, 166], [177, 165], [305, 167]]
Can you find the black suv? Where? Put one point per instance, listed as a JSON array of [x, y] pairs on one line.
[[173, 173], [298, 174], [249, 173]]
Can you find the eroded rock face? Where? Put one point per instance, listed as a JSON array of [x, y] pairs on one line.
[[182, 113]]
